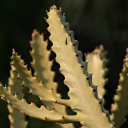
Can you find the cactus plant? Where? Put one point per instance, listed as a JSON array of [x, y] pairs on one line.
[[84, 97]]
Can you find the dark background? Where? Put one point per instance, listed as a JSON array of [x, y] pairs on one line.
[[94, 22]]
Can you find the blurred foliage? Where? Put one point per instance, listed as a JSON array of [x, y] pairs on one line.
[[94, 22]]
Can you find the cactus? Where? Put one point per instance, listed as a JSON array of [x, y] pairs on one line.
[[98, 69], [85, 99]]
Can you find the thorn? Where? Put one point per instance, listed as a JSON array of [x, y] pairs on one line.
[[103, 60], [82, 66], [114, 125], [30, 71], [60, 19], [45, 118], [16, 93], [56, 101], [105, 70], [69, 34], [64, 26], [57, 12], [11, 58], [52, 89], [17, 77], [77, 55], [9, 102], [24, 113], [42, 34], [40, 100], [99, 102], [32, 64], [74, 44], [13, 51], [46, 12], [88, 53], [30, 52], [47, 41], [22, 85], [30, 43], [63, 117], [16, 108], [33, 117], [87, 78], [53, 108], [106, 80], [32, 102]]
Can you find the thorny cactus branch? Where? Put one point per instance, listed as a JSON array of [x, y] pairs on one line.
[[42, 67], [96, 66], [32, 110], [75, 79], [17, 119], [119, 108]]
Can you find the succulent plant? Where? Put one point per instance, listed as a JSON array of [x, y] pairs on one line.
[[85, 97]]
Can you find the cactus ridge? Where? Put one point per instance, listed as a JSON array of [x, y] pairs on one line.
[[97, 65], [84, 64], [119, 108]]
